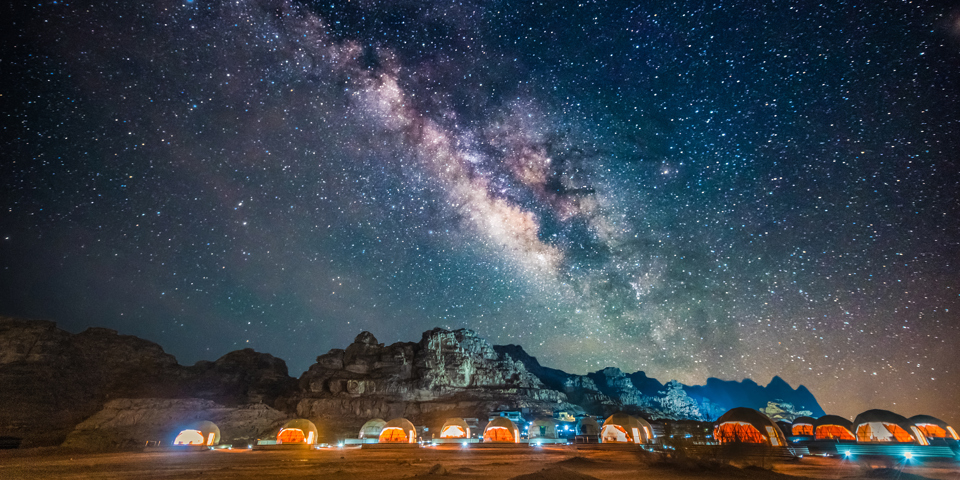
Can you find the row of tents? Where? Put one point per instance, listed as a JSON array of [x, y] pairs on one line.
[[746, 425], [739, 425], [874, 426], [618, 428]]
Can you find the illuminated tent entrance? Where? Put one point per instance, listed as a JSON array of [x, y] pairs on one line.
[[453, 431], [802, 427], [738, 432], [398, 430], [882, 432], [455, 428], [833, 432], [501, 430], [833, 427], [934, 429], [746, 425], [199, 433], [291, 435], [190, 437], [623, 428], [299, 431], [883, 426]]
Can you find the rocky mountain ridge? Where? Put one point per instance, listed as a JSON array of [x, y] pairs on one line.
[[99, 387]]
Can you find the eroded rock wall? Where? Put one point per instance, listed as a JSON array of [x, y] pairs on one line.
[[130, 423]]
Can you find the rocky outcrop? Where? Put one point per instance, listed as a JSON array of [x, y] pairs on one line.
[[126, 423], [109, 391], [51, 380], [447, 373]]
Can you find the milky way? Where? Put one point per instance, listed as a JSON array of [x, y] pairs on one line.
[[727, 190]]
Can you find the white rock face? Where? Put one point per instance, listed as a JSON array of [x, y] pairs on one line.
[[453, 373]]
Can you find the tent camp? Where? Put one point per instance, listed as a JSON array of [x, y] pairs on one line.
[[746, 425], [833, 427], [936, 430], [802, 427], [372, 428], [623, 428], [299, 431], [501, 430], [542, 428], [588, 426], [398, 430], [455, 428], [199, 433], [884, 426]]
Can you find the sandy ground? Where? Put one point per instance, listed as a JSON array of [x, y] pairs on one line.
[[553, 463]]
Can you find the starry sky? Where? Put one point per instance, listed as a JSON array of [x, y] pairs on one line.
[[733, 189]]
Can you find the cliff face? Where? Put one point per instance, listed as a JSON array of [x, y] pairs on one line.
[[108, 391], [125, 423], [51, 380], [447, 373]]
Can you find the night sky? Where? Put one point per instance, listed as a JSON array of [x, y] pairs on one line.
[[738, 190]]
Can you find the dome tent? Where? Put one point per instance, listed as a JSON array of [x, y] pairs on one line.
[[296, 431], [199, 433], [746, 425], [934, 429], [372, 428], [884, 426], [455, 428], [784, 425], [833, 427], [802, 427], [501, 430], [542, 428], [398, 430], [623, 428], [588, 426]]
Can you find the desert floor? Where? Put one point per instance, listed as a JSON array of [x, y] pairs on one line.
[[553, 463]]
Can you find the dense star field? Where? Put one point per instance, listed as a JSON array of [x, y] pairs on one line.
[[737, 189]]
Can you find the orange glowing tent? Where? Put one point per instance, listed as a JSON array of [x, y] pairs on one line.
[[884, 426], [299, 430], [934, 429], [746, 425], [802, 426], [398, 430], [501, 430], [833, 427], [455, 428], [623, 428], [199, 433]]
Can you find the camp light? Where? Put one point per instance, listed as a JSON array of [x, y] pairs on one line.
[[847, 453], [908, 455]]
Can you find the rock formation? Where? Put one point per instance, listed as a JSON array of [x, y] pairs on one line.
[[447, 373], [51, 380], [109, 391], [126, 423]]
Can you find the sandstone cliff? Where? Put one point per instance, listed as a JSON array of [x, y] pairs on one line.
[[447, 373], [51, 380], [109, 391]]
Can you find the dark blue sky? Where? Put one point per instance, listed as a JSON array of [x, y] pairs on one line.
[[738, 189]]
